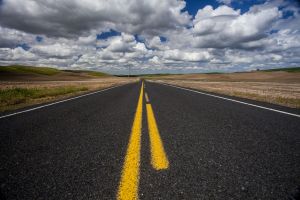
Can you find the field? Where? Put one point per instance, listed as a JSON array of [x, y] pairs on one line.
[[24, 86], [280, 87], [29, 73]]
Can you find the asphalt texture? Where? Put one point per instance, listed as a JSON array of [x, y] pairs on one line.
[[216, 149]]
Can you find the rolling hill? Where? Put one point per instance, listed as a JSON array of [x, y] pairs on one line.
[[30, 73]]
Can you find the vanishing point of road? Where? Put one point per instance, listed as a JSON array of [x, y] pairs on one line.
[[148, 140]]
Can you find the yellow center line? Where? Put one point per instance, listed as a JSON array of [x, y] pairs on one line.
[[147, 98], [129, 183], [159, 160]]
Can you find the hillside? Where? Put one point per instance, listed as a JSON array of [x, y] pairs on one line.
[[30, 73]]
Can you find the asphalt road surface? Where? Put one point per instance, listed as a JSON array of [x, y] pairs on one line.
[[150, 142]]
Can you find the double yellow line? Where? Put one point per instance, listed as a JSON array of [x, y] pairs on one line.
[[159, 159], [129, 183]]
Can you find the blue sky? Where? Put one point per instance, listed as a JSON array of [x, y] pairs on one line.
[[151, 37], [192, 6]]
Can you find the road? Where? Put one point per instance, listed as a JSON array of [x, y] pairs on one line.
[[151, 142]]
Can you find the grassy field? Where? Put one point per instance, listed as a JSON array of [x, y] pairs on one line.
[[22, 86], [280, 87], [14, 95]]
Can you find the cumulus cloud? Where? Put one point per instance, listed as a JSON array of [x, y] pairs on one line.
[[151, 35], [225, 27], [12, 37], [16, 54], [67, 18], [178, 55]]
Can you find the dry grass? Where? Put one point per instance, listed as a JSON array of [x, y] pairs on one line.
[[14, 95], [277, 87], [281, 93], [276, 76]]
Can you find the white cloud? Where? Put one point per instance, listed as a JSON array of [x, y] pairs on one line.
[[12, 37], [55, 50], [208, 12], [178, 55], [140, 47], [67, 18], [16, 54], [220, 38], [225, 27]]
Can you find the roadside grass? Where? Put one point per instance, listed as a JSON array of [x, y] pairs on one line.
[[277, 93], [288, 102], [28, 69], [280, 100], [15, 95], [18, 97]]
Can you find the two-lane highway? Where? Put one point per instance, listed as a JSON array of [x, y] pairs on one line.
[[150, 142]]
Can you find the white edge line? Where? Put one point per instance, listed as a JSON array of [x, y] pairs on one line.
[[57, 102], [241, 102]]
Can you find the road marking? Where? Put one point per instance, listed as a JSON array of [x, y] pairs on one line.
[[57, 102], [236, 101], [159, 159], [129, 183], [147, 98]]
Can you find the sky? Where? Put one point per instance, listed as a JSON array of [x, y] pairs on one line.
[[151, 36]]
